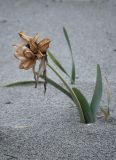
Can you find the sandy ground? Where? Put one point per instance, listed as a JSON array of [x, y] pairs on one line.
[[38, 127]]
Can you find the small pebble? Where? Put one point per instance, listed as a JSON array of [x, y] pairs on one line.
[[3, 21], [9, 102]]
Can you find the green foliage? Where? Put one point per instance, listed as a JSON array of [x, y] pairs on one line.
[[21, 83], [84, 105], [97, 93], [73, 75]]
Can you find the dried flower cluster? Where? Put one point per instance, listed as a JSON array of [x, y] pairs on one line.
[[29, 51]]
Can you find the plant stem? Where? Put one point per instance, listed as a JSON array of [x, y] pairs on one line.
[[75, 100]]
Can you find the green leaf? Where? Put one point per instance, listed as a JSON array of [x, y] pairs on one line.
[[67, 38], [57, 63], [74, 97], [19, 83], [73, 73], [97, 93], [70, 48], [84, 105]]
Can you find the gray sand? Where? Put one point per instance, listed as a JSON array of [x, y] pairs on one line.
[[38, 127]]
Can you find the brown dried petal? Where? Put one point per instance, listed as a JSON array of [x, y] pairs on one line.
[[43, 45], [27, 64], [24, 36], [19, 54], [28, 53], [33, 45], [36, 36]]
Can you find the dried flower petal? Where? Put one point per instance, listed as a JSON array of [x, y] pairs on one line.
[[33, 45], [36, 36], [44, 45], [19, 54], [27, 64], [24, 37]]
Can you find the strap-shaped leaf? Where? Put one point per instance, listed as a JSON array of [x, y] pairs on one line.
[[57, 63], [73, 73], [84, 105], [70, 48], [20, 83], [97, 93], [67, 39]]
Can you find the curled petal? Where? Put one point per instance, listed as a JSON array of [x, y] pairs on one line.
[[19, 54], [36, 36], [33, 45], [24, 37], [22, 58], [44, 44], [28, 54], [27, 64]]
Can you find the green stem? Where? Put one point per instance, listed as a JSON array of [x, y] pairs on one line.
[[75, 100]]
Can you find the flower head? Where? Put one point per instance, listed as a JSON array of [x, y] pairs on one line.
[[29, 51]]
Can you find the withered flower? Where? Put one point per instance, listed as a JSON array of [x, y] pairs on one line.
[[29, 51]]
